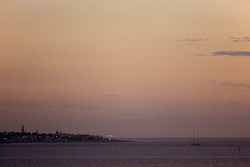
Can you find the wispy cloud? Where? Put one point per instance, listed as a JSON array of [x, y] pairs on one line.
[[47, 104], [213, 82], [232, 102], [238, 85], [200, 55], [192, 40], [130, 114], [231, 53], [244, 39], [110, 95]]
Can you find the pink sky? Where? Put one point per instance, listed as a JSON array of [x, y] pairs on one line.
[[127, 68]]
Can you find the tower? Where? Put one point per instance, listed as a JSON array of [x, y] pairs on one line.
[[22, 129]]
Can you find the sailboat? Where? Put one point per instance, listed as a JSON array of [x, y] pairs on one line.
[[195, 142]]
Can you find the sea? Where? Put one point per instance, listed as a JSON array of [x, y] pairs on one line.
[[135, 153]]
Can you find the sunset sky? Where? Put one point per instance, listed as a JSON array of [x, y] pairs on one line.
[[130, 68]]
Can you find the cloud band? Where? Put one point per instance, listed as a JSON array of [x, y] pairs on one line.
[[231, 53]]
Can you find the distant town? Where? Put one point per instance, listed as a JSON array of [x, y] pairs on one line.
[[27, 137]]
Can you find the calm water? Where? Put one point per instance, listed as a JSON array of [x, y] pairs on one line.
[[160, 152]]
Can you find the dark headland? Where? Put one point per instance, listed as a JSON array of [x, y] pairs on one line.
[[28, 137]]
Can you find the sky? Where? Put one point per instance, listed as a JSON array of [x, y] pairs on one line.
[[130, 68]]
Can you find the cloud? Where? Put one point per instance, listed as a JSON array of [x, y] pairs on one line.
[[200, 55], [244, 39], [130, 114], [232, 102], [213, 82], [231, 53], [238, 85], [47, 104], [110, 95], [193, 40]]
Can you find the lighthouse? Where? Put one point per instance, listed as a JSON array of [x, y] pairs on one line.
[[22, 129]]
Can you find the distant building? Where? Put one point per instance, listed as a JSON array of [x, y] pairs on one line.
[[109, 136]]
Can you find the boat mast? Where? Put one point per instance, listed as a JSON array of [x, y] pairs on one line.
[[198, 138], [194, 137]]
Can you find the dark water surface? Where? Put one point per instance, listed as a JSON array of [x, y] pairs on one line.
[[143, 152]]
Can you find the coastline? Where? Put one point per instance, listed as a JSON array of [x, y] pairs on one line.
[[27, 137]]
